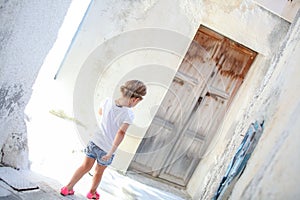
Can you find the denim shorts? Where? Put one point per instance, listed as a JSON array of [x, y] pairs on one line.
[[93, 151]]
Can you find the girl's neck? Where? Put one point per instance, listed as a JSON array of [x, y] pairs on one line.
[[122, 101]]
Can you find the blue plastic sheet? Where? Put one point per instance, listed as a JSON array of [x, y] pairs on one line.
[[239, 161]]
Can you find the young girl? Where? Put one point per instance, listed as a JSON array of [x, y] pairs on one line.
[[116, 118]]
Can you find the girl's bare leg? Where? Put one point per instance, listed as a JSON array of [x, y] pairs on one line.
[[99, 169], [83, 169]]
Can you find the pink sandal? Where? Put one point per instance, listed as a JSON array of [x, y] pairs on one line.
[[65, 191], [96, 195]]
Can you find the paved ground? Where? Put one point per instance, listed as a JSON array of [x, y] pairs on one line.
[[115, 186], [47, 189]]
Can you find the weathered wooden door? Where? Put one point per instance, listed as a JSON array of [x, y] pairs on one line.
[[193, 108]]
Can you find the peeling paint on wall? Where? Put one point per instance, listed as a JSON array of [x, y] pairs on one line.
[[15, 147], [10, 99], [28, 30]]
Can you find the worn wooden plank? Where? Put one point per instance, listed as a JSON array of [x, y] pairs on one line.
[[218, 92], [186, 78]]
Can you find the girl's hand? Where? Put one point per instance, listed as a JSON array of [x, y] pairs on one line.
[[106, 157]]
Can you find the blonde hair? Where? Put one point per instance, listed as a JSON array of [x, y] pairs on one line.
[[134, 88]]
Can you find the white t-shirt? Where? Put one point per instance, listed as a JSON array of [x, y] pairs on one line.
[[113, 117]]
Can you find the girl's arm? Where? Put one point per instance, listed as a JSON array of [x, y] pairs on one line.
[[117, 141], [100, 111]]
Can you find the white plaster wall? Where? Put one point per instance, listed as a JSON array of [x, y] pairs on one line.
[[106, 19], [28, 30], [274, 97], [285, 9], [272, 172]]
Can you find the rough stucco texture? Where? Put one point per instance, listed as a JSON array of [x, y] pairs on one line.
[[28, 30], [273, 173]]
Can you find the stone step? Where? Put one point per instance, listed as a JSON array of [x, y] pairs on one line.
[[16, 180]]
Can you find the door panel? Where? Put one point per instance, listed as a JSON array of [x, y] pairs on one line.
[[165, 129], [193, 108], [188, 152]]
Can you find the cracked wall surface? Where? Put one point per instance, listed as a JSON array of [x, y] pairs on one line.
[[28, 29]]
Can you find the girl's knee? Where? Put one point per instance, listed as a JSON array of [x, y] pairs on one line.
[[87, 164], [99, 169], [86, 167]]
